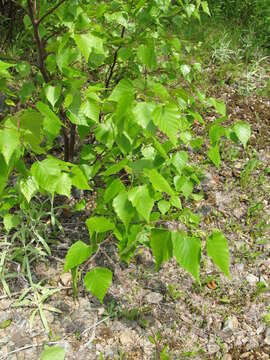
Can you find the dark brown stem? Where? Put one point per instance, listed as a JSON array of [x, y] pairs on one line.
[[72, 141], [50, 11], [108, 80], [65, 135], [40, 46]]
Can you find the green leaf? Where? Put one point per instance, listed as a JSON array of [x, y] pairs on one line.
[[147, 55], [187, 251], [11, 221], [242, 131], [5, 323], [219, 106], [9, 142], [122, 88], [179, 160], [167, 118], [123, 208], [184, 184], [163, 206], [53, 353], [115, 168], [217, 248], [215, 133], [98, 281], [87, 43], [143, 113], [214, 156], [52, 94], [51, 123], [158, 181], [161, 245], [98, 225], [113, 189], [90, 109], [205, 7], [45, 173], [77, 254], [142, 201], [5, 65], [176, 202], [79, 179], [28, 187], [63, 184]]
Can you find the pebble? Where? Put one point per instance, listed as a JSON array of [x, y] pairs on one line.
[[154, 298], [127, 337], [267, 336], [212, 348], [252, 279], [230, 326]]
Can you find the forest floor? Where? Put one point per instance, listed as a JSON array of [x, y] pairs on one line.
[[166, 315]]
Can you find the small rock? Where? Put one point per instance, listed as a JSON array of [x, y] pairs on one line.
[[212, 348], [267, 336], [252, 279], [66, 279], [238, 212], [154, 298], [227, 357], [127, 337], [230, 326]]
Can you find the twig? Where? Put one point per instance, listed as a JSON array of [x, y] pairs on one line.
[[50, 11], [20, 349], [107, 82], [96, 324], [40, 45]]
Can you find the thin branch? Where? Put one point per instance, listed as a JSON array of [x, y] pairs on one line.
[[40, 46], [50, 11], [107, 82]]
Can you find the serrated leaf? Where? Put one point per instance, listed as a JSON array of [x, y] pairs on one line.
[[158, 181], [123, 208], [161, 245], [167, 119], [143, 113], [98, 281], [187, 251], [63, 184], [176, 202], [113, 189], [88, 42], [179, 160], [45, 173], [215, 133], [122, 88], [51, 122], [163, 206], [52, 94], [147, 55], [28, 188], [53, 353], [10, 221], [79, 179], [77, 254], [214, 156], [242, 131], [9, 142], [100, 224], [219, 106], [115, 168], [217, 248], [142, 201]]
